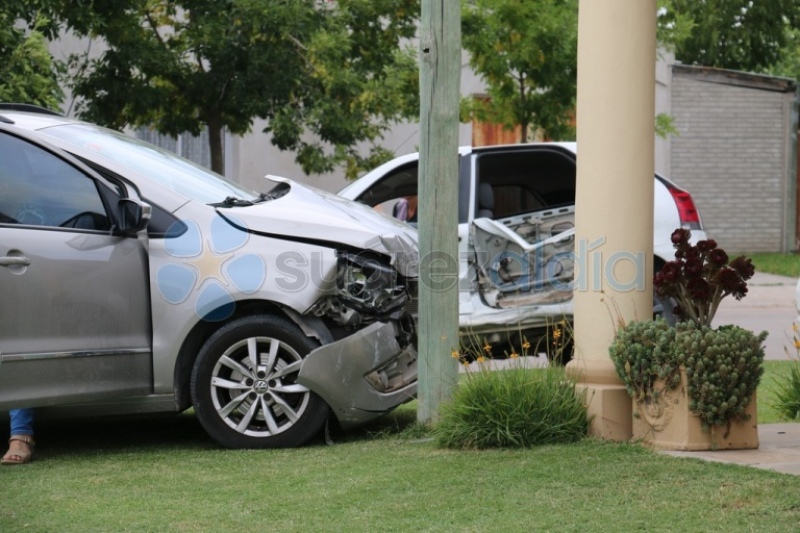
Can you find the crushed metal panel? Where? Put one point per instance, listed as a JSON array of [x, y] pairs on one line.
[[338, 372], [521, 268]]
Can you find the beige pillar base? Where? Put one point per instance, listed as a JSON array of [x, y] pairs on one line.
[[608, 404]]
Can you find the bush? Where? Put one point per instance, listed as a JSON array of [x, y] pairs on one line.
[[514, 408], [787, 394]]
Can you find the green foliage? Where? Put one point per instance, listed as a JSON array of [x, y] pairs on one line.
[[325, 78], [787, 396], [777, 263], [735, 34], [788, 65], [787, 393], [526, 53], [665, 126], [673, 27], [512, 408], [723, 366], [28, 73], [768, 390]]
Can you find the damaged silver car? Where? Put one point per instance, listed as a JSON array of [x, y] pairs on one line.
[[143, 283]]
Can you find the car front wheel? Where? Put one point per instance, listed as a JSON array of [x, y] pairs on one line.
[[244, 385]]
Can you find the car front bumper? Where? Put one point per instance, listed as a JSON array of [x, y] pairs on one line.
[[362, 376]]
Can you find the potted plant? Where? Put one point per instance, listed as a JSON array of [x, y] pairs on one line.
[[693, 386]]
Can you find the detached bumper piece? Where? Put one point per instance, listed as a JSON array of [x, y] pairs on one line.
[[364, 375]]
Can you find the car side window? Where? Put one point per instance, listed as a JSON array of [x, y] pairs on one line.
[[524, 181], [384, 195], [38, 188]]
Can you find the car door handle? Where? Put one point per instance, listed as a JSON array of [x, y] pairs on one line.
[[14, 261]]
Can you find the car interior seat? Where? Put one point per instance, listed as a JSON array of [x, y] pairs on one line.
[[485, 201]]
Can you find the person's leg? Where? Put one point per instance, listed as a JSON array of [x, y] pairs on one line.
[[21, 421], [20, 445]]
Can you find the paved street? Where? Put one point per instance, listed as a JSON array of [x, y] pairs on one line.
[[769, 305]]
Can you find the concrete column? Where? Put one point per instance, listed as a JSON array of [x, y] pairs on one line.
[[614, 199]]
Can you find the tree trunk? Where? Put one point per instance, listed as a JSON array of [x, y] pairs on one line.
[[214, 124]]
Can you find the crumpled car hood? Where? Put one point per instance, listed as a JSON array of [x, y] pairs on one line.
[[312, 214]]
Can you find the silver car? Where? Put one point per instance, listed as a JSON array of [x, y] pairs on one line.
[[134, 281]]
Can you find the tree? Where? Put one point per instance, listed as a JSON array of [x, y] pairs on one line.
[[325, 78], [789, 63], [28, 73], [526, 53], [748, 35]]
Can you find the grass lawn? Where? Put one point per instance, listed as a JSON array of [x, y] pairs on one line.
[[776, 263], [165, 474], [766, 390]]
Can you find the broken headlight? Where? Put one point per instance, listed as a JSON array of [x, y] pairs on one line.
[[369, 286]]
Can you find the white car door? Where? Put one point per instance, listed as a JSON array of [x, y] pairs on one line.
[[75, 311]]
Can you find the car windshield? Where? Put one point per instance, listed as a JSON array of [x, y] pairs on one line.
[[169, 170]]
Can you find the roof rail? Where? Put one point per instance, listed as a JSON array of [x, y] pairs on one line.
[[30, 108]]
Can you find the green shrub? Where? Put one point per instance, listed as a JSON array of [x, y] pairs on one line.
[[787, 393], [516, 408]]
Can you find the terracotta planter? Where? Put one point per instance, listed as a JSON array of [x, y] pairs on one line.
[[668, 424]]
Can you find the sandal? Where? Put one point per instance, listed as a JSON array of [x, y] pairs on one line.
[[19, 453]]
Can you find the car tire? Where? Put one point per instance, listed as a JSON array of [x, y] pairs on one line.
[[244, 385]]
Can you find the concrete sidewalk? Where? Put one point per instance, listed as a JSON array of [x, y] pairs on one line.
[[768, 306], [779, 450]]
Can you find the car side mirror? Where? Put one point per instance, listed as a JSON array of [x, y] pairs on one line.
[[133, 216]]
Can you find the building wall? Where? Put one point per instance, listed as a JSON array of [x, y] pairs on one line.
[[734, 154]]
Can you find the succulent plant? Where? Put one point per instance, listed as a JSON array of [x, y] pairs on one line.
[[642, 353], [700, 276], [723, 366]]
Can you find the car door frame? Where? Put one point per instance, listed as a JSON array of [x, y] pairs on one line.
[[31, 378]]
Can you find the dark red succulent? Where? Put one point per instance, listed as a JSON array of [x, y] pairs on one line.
[[700, 276]]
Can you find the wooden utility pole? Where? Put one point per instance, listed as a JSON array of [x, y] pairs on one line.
[[440, 80]]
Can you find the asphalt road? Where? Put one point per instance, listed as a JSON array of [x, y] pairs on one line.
[[768, 306]]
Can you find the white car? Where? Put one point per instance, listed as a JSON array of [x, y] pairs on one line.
[[797, 301], [134, 281], [516, 211]]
